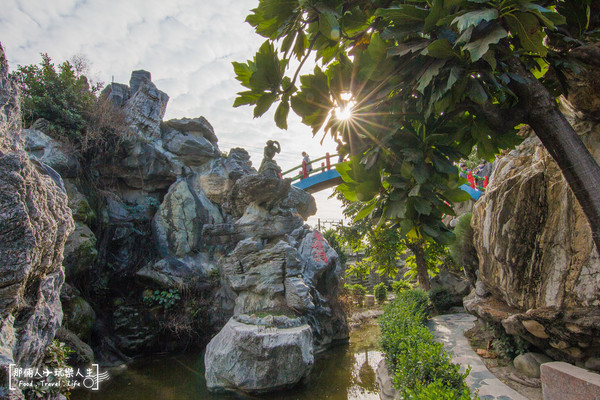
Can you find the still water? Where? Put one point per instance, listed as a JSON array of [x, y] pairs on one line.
[[342, 373]]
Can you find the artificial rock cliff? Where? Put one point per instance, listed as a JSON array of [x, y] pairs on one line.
[[174, 240], [539, 270], [34, 225]]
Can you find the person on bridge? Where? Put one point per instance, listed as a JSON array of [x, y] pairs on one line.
[[306, 159], [341, 150]]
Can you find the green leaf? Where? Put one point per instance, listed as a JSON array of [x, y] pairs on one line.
[[281, 115], [431, 72], [474, 18], [403, 13], [246, 98], [480, 47], [264, 103], [440, 48], [456, 195], [527, 28], [329, 25], [364, 211], [476, 92]]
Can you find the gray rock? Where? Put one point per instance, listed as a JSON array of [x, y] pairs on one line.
[[214, 182], [302, 201], [457, 286], [79, 317], [178, 222], [50, 152], [258, 359], [135, 329], [35, 225], [80, 251], [384, 382], [172, 273], [529, 363], [256, 189], [146, 107], [198, 127], [82, 355], [191, 150], [117, 93], [238, 164]]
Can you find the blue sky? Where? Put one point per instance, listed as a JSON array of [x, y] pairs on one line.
[[187, 45]]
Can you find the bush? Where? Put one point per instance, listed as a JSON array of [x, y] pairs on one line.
[[333, 239], [420, 367], [380, 292], [462, 249], [358, 292], [400, 286], [440, 298]]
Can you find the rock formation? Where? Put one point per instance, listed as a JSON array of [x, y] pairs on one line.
[[34, 224], [539, 269], [174, 240]]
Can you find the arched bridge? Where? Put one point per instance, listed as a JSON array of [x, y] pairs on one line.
[[326, 176]]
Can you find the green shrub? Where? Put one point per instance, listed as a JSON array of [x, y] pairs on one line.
[[420, 367], [358, 292], [440, 298], [380, 292], [165, 298], [400, 286], [462, 249], [333, 239]]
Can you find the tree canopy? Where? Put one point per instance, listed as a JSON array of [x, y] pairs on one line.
[[426, 81]]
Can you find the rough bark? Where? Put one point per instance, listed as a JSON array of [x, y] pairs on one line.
[[562, 142], [422, 275]]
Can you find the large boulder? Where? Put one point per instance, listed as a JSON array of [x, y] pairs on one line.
[[257, 358], [35, 225], [537, 257], [49, 151]]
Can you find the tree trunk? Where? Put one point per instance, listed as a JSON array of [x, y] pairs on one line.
[[579, 168], [422, 275]]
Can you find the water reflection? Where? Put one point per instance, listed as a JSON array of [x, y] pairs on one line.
[[342, 373]]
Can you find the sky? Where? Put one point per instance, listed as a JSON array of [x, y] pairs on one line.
[[188, 47]]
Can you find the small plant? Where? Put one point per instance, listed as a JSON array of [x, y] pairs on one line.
[[214, 276], [440, 298], [400, 286], [508, 346], [165, 298], [358, 293], [380, 292], [55, 358]]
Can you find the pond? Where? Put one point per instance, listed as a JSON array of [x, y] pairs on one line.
[[343, 373]]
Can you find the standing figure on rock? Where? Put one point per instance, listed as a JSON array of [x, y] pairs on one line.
[[268, 166]]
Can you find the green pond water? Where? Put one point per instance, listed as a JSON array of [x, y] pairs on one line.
[[343, 373]]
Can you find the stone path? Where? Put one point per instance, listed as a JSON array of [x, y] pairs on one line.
[[449, 330]]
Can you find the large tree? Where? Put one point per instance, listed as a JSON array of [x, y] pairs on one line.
[[411, 86]]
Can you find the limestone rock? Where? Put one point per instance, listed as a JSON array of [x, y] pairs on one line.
[[258, 189], [178, 223], [529, 363], [50, 152], [79, 204], [214, 182], [135, 329], [79, 317], [301, 201], [35, 224], [198, 127], [537, 257], [80, 251], [82, 355], [256, 359], [189, 148], [457, 285], [238, 164], [147, 104], [170, 273]]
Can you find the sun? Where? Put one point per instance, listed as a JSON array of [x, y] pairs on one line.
[[344, 111]]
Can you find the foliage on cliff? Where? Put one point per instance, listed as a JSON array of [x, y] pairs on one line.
[[65, 99]]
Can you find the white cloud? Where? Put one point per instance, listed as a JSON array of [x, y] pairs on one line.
[[187, 45]]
